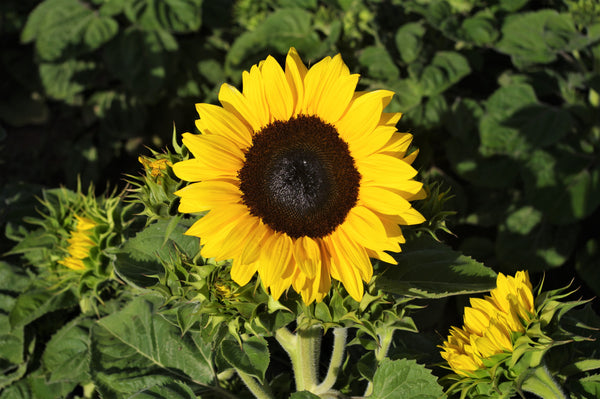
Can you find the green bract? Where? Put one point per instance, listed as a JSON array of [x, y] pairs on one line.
[[46, 245]]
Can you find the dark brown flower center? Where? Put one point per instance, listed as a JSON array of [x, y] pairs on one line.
[[299, 177]]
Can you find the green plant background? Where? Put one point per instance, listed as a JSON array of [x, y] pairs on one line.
[[501, 96], [503, 99]]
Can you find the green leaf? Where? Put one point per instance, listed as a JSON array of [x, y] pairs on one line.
[[56, 26], [11, 342], [546, 246], [536, 37], [66, 357], [251, 358], [140, 257], [99, 31], [137, 349], [35, 386], [587, 264], [408, 95], [404, 379], [12, 278], [409, 41], [429, 269], [35, 303], [303, 395], [173, 15], [446, 69], [496, 136], [282, 29], [173, 389], [141, 60], [379, 63], [562, 185], [479, 29], [65, 80]]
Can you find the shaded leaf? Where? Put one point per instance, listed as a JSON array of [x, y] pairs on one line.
[[446, 69], [379, 63], [251, 358], [496, 136], [65, 80], [171, 390], [173, 15], [56, 26], [536, 37], [429, 269], [66, 357], [140, 257], [99, 31], [35, 303], [409, 41]]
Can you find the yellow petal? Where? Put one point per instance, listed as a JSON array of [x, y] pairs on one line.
[[275, 256], [382, 200], [295, 71], [343, 270], [217, 120], [277, 90], [254, 91], [242, 273], [307, 256], [365, 227], [363, 114], [370, 143], [313, 84], [235, 102], [202, 196]]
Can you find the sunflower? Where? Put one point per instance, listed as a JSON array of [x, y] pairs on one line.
[[304, 178], [80, 244], [490, 323]]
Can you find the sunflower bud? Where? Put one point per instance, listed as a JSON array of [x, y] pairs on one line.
[[501, 347], [154, 188], [72, 247]]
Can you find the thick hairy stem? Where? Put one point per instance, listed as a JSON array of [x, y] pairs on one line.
[[308, 350], [337, 358], [258, 390]]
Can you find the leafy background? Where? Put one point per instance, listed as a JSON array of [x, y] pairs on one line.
[[501, 96]]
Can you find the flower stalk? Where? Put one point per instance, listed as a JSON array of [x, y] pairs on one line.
[[304, 349]]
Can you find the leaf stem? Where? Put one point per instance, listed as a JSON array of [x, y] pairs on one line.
[[385, 341], [335, 363], [259, 390]]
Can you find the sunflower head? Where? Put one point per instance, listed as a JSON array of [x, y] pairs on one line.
[[72, 242], [303, 178], [504, 337]]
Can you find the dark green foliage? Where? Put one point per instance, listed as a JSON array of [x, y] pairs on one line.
[[502, 97]]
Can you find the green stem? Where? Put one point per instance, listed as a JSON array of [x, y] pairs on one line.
[[385, 341], [289, 341], [335, 363], [259, 390], [539, 381], [309, 346]]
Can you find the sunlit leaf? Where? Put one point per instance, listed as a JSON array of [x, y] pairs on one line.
[[404, 379]]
